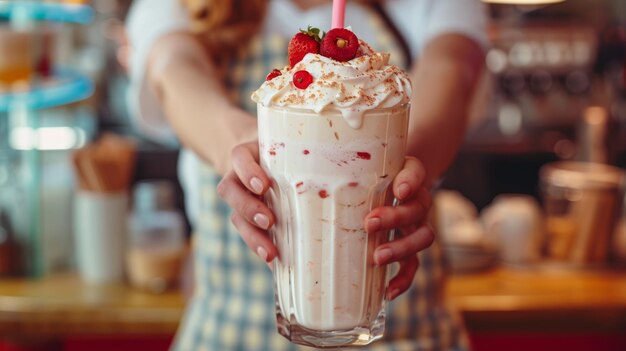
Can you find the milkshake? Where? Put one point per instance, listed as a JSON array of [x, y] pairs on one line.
[[332, 147]]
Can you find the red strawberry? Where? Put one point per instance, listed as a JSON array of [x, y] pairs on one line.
[[273, 74], [302, 79], [307, 41], [339, 44]]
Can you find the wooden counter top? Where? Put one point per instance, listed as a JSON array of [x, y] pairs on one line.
[[502, 299], [543, 300], [63, 305]]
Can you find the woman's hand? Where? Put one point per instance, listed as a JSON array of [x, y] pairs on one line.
[[242, 187], [408, 218]]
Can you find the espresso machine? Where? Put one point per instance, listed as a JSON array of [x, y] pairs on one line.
[[540, 79]]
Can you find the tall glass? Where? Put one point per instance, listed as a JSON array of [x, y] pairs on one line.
[[326, 177]]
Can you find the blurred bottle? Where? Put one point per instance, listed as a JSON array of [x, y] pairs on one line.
[[15, 60], [593, 136], [157, 238]]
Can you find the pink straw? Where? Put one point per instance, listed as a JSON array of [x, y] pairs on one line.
[[339, 13]]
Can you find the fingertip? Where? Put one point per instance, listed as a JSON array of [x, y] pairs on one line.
[[392, 294], [272, 255], [402, 282], [383, 256], [262, 221], [403, 191], [410, 178], [257, 185], [267, 254], [246, 166], [373, 224], [263, 254]]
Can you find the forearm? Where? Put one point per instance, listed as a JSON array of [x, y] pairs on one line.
[[194, 101], [443, 85]]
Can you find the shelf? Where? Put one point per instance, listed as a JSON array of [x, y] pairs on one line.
[[65, 87], [80, 14]]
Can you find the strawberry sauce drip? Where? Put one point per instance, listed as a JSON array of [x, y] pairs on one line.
[[364, 155], [272, 149], [323, 194]]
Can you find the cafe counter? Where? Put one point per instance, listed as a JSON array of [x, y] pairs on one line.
[[500, 302]]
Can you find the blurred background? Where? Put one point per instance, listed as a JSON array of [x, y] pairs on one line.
[[93, 235]]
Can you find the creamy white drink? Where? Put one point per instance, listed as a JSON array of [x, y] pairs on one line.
[[332, 151]]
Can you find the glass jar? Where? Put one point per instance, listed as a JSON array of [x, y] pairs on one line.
[[582, 203], [157, 238]]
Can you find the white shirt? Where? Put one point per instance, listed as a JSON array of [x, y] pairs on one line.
[[417, 20]]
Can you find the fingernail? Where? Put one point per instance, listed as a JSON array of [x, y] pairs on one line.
[[261, 220], [393, 294], [373, 224], [257, 185], [403, 191], [383, 255], [262, 253]]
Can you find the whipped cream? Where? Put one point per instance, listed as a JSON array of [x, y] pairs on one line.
[[364, 83]]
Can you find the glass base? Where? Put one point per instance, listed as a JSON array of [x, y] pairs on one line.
[[359, 336]]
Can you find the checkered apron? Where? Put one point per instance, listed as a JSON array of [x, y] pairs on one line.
[[233, 305]]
